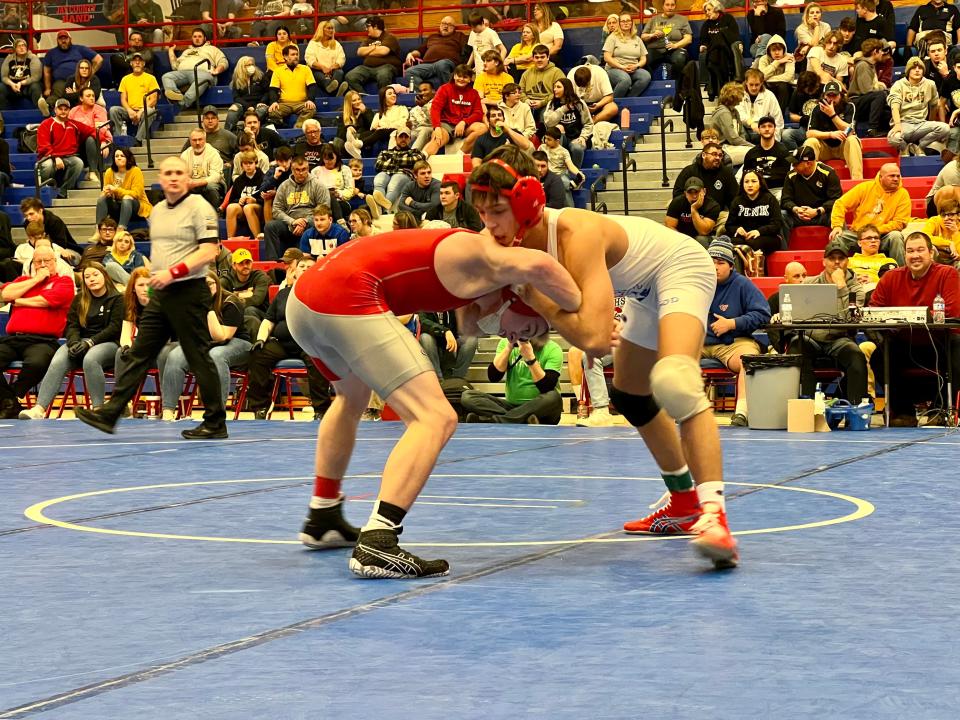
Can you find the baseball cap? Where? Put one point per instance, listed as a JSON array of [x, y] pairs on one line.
[[832, 88], [835, 246], [62, 101], [62, 33], [722, 249], [403, 131], [766, 119], [209, 109], [137, 55], [804, 153], [241, 254], [693, 183]]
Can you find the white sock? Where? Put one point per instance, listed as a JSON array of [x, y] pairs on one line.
[[741, 407], [320, 503], [711, 492]]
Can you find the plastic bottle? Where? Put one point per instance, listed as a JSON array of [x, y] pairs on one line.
[[583, 410], [939, 310], [819, 401], [412, 89], [786, 310], [123, 128]]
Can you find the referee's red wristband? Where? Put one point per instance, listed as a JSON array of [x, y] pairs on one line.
[[179, 270]]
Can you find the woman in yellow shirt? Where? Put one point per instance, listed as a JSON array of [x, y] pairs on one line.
[[490, 82], [944, 230], [123, 191], [274, 51], [520, 57]]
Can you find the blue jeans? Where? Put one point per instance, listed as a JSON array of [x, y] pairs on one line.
[[361, 75], [759, 46], [628, 85], [95, 361], [176, 80], [72, 169], [391, 185], [793, 138], [176, 367], [466, 349], [576, 150], [121, 210], [437, 73]]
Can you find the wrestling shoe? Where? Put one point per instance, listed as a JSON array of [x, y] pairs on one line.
[[377, 555], [326, 528], [714, 540], [676, 516]]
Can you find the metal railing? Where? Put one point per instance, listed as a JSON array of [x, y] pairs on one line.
[[595, 187], [100, 159], [664, 123], [626, 163], [148, 119], [196, 85]]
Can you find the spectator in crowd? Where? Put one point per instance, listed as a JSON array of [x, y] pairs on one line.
[[394, 168], [516, 113], [311, 145], [60, 68], [244, 201], [326, 59], [100, 242], [38, 315], [726, 121], [456, 112], [453, 210], [422, 194], [809, 192], [267, 139], [439, 54], [917, 284], [54, 228], [764, 22], [693, 212], [481, 39], [867, 93], [82, 79], [590, 372], [251, 88], [666, 37], [230, 345], [536, 83], [275, 343], [356, 116], [293, 208], [136, 108], [570, 114], [804, 99], [338, 179], [944, 231], [421, 125], [560, 162], [532, 371], [450, 352], [361, 224], [552, 184], [551, 34], [178, 84], [626, 57], [123, 259], [276, 11], [136, 295], [936, 15], [92, 333], [96, 146], [121, 62], [148, 18], [882, 202], [827, 60], [222, 140], [946, 185], [592, 85], [754, 217], [867, 263], [59, 143], [324, 236], [769, 156], [205, 168], [285, 276], [37, 237], [738, 308], [492, 79], [717, 178], [21, 75], [386, 121], [247, 143], [610, 26], [873, 23], [291, 88], [381, 58], [832, 132], [276, 174], [249, 286], [123, 195], [227, 11], [498, 133], [811, 31], [520, 58], [758, 102], [721, 52], [778, 71], [273, 53], [838, 345], [912, 99], [404, 220], [848, 29], [938, 70]]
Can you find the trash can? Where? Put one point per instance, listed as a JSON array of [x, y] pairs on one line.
[[771, 381]]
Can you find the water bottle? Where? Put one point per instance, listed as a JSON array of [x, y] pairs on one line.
[[819, 401], [939, 310], [412, 89], [786, 310], [854, 313], [664, 73], [583, 410], [123, 128]]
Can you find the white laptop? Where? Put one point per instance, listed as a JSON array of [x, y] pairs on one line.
[[811, 302]]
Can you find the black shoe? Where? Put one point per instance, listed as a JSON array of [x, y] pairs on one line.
[[876, 133], [475, 418], [260, 414], [10, 409], [738, 420], [205, 432], [97, 419], [327, 528], [377, 555]]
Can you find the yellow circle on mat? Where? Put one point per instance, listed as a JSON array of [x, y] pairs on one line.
[[862, 508]]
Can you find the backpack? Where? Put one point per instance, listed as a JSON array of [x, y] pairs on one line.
[[26, 138]]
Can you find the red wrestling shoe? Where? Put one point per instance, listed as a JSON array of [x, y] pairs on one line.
[[676, 517], [713, 538]]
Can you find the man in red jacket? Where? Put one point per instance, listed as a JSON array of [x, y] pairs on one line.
[[38, 315], [456, 111], [59, 140], [917, 284]]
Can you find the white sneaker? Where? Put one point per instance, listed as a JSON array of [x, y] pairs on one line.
[[35, 413], [308, 412], [353, 148], [600, 417], [169, 415]]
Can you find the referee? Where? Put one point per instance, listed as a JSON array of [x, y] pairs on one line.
[[183, 241]]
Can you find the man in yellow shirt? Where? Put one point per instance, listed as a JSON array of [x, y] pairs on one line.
[[291, 88], [882, 202], [135, 108], [866, 264]]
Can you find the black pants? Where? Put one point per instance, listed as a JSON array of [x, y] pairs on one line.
[[35, 351], [180, 310], [547, 407], [848, 356], [260, 371], [907, 390], [873, 107]]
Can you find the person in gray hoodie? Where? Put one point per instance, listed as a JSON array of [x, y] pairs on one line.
[[20, 76], [867, 93], [911, 100], [778, 68], [726, 121]]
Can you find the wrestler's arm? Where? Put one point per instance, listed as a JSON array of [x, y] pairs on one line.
[[468, 315], [521, 266]]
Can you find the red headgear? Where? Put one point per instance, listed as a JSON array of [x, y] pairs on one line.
[[526, 197]]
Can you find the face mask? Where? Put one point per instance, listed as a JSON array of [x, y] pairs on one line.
[[251, 69]]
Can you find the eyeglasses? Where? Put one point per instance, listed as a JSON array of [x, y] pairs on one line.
[[950, 214], [870, 238], [714, 154]]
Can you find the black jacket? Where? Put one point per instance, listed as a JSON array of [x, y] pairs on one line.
[[821, 189], [721, 185], [467, 216]]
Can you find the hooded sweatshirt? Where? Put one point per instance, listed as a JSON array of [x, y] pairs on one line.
[[863, 79], [536, 84], [915, 101], [752, 109], [773, 72], [739, 299], [871, 204], [761, 214], [452, 105], [721, 185]]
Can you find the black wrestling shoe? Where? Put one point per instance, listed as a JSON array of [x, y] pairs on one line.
[[377, 555], [326, 528], [205, 432], [97, 419]]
